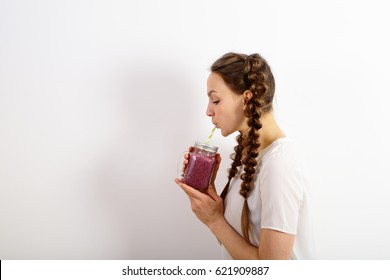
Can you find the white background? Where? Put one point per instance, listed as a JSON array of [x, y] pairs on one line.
[[98, 100]]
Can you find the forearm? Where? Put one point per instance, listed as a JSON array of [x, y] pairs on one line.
[[234, 243]]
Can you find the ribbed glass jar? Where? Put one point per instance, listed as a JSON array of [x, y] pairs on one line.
[[200, 166]]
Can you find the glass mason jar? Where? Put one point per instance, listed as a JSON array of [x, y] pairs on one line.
[[200, 166]]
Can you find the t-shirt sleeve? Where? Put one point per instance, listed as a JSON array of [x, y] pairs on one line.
[[281, 193]]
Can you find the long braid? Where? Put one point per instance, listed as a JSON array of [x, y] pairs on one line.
[[253, 111], [241, 73], [236, 157]]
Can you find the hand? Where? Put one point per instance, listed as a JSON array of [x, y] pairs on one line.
[[186, 157], [215, 171], [216, 167], [207, 206]]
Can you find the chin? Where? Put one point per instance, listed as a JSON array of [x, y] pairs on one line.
[[225, 133]]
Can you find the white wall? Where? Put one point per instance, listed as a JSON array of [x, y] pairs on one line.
[[98, 99]]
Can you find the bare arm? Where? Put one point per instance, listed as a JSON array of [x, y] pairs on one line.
[[274, 245], [209, 209]]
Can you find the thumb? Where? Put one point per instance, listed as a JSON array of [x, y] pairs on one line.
[[212, 192], [216, 167]]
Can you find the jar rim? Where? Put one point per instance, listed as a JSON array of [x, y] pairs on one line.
[[206, 147]]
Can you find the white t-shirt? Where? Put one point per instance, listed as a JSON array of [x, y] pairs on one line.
[[278, 200]]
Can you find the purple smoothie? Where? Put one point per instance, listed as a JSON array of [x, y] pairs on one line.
[[200, 167]]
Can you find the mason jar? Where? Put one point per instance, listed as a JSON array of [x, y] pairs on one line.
[[200, 166]]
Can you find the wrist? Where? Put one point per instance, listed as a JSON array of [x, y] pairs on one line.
[[217, 225]]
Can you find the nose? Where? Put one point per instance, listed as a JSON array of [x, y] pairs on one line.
[[209, 111]]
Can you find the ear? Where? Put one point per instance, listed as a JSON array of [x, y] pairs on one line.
[[247, 95]]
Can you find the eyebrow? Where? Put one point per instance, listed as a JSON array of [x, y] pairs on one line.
[[210, 92]]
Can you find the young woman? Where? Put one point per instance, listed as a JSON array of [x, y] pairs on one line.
[[263, 212]]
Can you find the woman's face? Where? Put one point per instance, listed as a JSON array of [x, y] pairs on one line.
[[225, 107]]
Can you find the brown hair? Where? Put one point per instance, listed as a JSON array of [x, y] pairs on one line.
[[243, 72]]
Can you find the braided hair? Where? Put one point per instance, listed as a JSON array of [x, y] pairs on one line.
[[243, 72]]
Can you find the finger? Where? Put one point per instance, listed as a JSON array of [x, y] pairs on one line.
[[186, 158], [182, 185], [185, 163], [190, 191], [212, 192], [216, 167]]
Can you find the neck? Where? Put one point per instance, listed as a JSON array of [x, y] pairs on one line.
[[270, 130]]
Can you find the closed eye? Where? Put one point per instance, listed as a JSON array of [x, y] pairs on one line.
[[216, 102]]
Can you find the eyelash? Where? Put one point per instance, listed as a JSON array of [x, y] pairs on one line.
[[216, 102]]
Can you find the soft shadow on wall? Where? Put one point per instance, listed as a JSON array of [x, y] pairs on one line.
[[134, 182]]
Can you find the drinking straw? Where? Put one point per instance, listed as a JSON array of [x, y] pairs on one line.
[[211, 135]]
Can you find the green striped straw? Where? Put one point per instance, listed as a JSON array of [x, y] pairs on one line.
[[211, 135]]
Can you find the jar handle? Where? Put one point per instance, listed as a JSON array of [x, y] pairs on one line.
[[180, 169], [180, 165]]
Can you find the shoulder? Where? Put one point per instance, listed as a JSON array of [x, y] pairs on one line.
[[281, 168], [282, 153]]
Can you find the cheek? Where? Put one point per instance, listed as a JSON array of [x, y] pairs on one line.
[[238, 112], [231, 120]]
